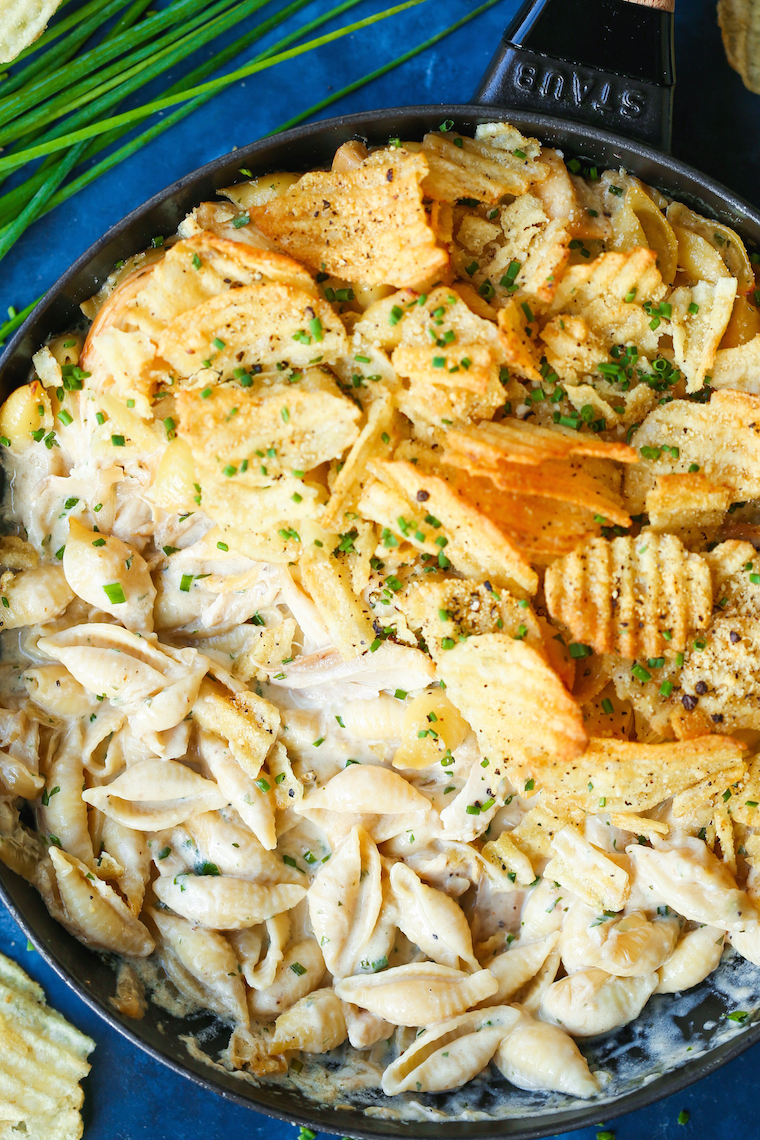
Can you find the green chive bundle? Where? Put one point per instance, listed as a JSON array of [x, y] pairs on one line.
[[42, 117]]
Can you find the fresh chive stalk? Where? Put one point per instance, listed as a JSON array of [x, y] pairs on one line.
[[15, 160]]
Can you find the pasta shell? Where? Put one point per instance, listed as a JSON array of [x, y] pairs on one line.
[[34, 596], [697, 955], [17, 779], [156, 684], [130, 850], [535, 1055], [61, 812], [345, 905], [634, 945], [93, 911], [418, 993], [515, 967], [94, 564], [300, 971], [431, 920], [593, 1001], [694, 883], [56, 692], [209, 960], [109, 660], [253, 801], [366, 789], [259, 974], [155, 794], [235, 851], [315, 1024], [451, 1053], [364, 1029], [223, 902]]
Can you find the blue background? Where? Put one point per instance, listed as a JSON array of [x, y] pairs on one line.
[[717, 128]]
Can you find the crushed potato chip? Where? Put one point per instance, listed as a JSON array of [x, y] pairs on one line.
[[245, 720], [632, 596], [587, 871], [722, 438], [687, 506], [623, 775], [475, 168], [363, 225], [515, 702]]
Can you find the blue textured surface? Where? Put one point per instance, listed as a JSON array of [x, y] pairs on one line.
[[717, 128]]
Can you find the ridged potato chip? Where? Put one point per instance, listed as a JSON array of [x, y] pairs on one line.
[[476, 168], [42, 1060], [722, 438], [632, 596], [515, 702], [623, 775], [687, 506], [365, 225]]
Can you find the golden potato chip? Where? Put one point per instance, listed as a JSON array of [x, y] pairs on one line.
[[531, 522], [245, 720], [738, 367], [328, 580], [737, 19], [236, 432], [504, 855], [587, 871], [514, 701], [727, 559], [623, 775], [251, 326], [528, 251], [433, 407], [42, 1060], [363, 225], [721, 674], [455, 609], [608, 295], [694, 807], [377, 438], [461, 167], [724, 834], [688, 506], [697, 332], [632, 596], [522, 353], [745, 804], [553, 479], [267, 648], [572, 348], [22, 22], [473, 545], [442, 342], [522, 441], [195, 269], [639, 824], [536, 830], [722, 438]]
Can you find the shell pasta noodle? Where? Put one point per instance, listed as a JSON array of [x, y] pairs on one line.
[[379, 617]]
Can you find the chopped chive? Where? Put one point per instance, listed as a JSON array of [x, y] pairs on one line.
[[114, 591], [185, 583]]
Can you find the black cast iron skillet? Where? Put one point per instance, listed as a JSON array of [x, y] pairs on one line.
[[594, 78]]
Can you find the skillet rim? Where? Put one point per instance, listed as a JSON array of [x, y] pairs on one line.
[[588, 141]]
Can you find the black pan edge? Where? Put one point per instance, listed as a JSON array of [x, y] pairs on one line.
[[86, 973]]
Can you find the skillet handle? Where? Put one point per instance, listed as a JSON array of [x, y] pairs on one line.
[[607, 63]]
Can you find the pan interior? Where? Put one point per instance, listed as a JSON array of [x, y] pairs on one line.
[[675, 1040]]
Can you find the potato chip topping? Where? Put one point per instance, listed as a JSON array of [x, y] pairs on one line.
[[381, 613]]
